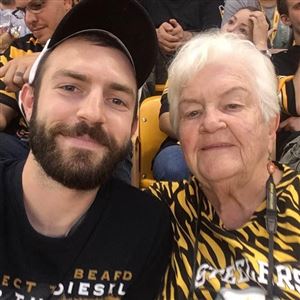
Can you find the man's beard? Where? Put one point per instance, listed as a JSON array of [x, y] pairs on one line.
[[77, 168]]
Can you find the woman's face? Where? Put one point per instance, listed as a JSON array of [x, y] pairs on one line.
[[221, 127], [241, 24]]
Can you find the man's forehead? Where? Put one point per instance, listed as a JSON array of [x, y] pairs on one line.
[[73, 46], [72, 43]]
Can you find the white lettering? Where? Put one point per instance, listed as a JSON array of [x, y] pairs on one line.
[[70, 287], [59, 290], [296, 274], [200, 277], [229, 275], [83, 289], [19, 296], [215, 272], [263, 272], [284, 275], [239, 267], [121, 292], [111, 287], [99, 289]]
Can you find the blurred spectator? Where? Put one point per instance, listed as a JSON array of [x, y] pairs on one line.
[[286, 63], [280, 34], [12, 24], [176, 22], [41, 18]]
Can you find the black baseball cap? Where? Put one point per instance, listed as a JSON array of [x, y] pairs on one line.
[[125, 21]]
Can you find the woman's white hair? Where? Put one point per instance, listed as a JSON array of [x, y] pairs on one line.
[[216, 46]]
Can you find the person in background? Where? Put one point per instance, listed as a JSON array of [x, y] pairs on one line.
[[176, 22], [41, 17], [287, 65], [236, 222], [12, 24], [68, 229], [280, 34]]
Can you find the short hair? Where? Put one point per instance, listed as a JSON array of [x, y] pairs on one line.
[[96, 38], [213, 46], [282, 7]]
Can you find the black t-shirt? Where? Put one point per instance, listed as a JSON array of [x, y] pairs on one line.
[[121, 247]]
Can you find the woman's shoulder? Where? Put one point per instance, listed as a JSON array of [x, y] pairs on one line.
[[177, 192]]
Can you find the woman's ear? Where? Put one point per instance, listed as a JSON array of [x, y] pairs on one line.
[[27, 100], [273, 126]]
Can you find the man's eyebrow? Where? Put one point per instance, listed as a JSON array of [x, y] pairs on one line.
[[122, 88], [81, 77], [72, 74]]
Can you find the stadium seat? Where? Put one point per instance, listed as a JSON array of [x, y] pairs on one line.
[[150, 138]]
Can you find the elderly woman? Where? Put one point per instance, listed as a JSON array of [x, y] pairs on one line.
[[169, 164], [236, 221]]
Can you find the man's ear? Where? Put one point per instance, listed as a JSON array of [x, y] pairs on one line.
[[285, 20], [27, 100], [68, 4], [134, 126]]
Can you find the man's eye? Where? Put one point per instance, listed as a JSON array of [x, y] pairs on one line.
[[68, 88], [117, 101]]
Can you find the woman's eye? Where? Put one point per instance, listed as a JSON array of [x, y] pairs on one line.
[[192, 114], [233, 106]]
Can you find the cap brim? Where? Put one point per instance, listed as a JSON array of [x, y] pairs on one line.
[[126, 19]]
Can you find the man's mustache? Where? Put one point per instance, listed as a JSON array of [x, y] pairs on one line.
[[95, 132]]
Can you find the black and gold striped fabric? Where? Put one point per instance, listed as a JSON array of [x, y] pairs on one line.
[[287, 95], [235, 259]]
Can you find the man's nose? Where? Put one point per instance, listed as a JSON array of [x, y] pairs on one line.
[[92, 109]]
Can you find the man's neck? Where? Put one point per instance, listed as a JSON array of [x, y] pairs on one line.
[[51, 208]]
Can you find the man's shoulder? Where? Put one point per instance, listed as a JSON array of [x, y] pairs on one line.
[[10, 176], [8, 166], [134, 201]]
